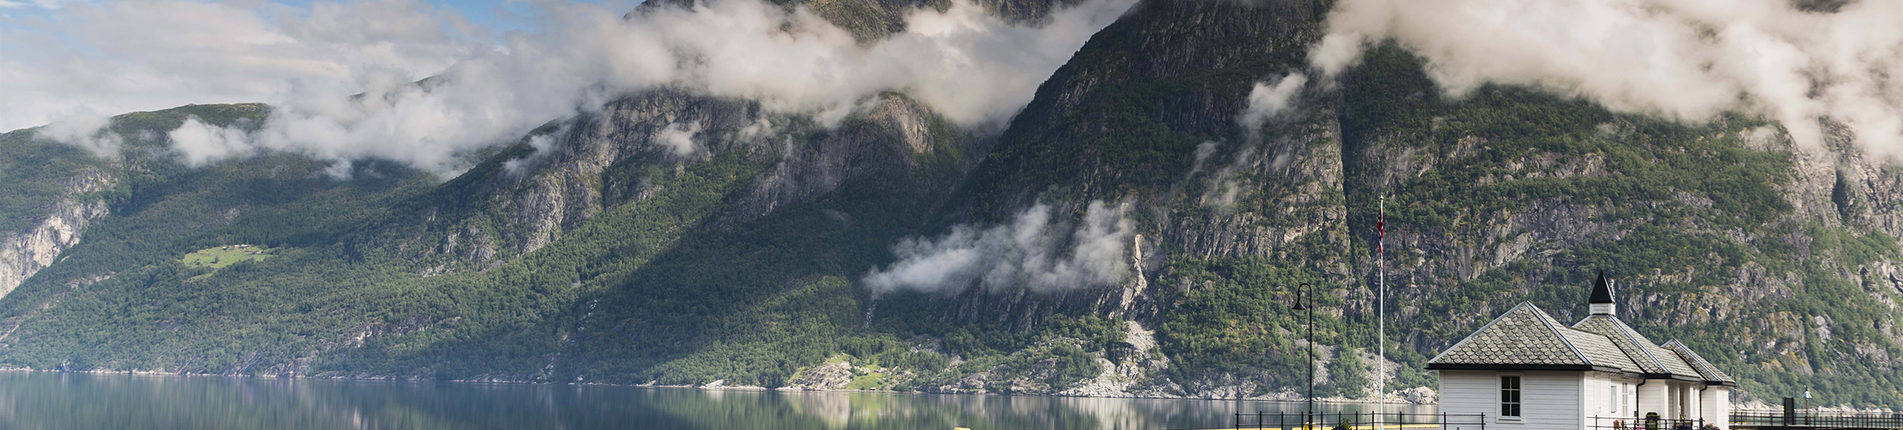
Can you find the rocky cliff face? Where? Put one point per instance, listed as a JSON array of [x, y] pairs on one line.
[[566, 174], [26, 252], [1719, 230], [1148, 112], [546, 262]]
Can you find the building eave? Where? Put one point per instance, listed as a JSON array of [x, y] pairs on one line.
[[1677, 377], [1516, 367]]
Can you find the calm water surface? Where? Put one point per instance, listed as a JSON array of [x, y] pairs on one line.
[[67, 401]]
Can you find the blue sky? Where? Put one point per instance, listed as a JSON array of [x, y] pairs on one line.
[[64, 58], [498, 16]]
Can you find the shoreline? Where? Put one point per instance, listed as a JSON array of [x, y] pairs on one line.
[[707, 387], [1753, 406]]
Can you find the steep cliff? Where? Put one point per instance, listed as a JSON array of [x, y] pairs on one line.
[[1720, 229], [26, 252], [1187, 153]]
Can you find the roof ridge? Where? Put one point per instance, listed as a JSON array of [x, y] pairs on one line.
[[1698, 362], [1482, 329], [1635, 342], [1552, 324], [1626, 330]]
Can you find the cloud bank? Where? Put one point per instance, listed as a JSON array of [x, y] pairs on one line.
[[973, 68], [116, 57], [1687, 60], [1032, 252]]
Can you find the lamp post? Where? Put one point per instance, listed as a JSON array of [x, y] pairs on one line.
[[1807, 411], [1300, 298]]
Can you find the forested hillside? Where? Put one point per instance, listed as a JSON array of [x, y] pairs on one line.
[[1137, 229]]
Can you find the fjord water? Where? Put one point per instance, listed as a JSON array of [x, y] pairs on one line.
[[87, 401]]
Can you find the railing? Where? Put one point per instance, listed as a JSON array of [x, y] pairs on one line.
[[1761, 420], [1357, 421], [1814, 419], [1644, 423]]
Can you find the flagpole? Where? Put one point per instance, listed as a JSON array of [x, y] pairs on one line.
[[1381, 369]]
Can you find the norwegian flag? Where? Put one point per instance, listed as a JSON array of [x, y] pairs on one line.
[[1381, 226]]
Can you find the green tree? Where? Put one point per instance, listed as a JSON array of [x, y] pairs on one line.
[[1348, 376]]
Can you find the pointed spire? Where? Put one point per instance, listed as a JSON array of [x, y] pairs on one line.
[[1601, 299]]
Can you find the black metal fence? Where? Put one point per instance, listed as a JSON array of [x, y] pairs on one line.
[[1740, 420], [1647, 423], [1357, 421], [1817, 420]]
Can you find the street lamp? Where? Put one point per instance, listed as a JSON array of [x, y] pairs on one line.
[[1300, 298]]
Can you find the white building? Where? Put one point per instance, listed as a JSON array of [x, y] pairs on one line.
[[1526, 370]]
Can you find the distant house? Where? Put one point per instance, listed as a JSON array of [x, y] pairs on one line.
[[1526, 370]]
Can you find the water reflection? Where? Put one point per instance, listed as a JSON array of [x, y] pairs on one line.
[[66, 401]]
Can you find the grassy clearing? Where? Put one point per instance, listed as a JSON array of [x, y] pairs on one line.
[[218, 258], [870, 381]]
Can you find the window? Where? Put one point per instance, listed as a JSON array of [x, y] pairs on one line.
[[1618, 398], [1510, 396]]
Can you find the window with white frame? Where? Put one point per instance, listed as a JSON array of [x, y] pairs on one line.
[[1510, 396], [1617, 400]]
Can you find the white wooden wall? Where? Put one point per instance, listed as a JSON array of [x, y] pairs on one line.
[[1716, 403], [1608, 397], [1549, 400], [1654, 396]]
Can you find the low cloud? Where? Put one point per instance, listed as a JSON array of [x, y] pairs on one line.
[[1687, 60], [679, 138], [199, 143], [86, 129], [975, 69], [1033, 252], [539, 146], [1224, 187], [1269, 100]]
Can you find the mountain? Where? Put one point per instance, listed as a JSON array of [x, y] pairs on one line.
[[673, 237]]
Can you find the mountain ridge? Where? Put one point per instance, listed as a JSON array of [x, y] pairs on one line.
[[601, 249]]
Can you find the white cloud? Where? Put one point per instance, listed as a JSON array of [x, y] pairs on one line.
[[540, 145], [1033, 252], [679, 138], [200, 143], [1270, 99], [1679, 59], [43, 4], [975, 69], [152, 54], [1224, 188], [86, 129]]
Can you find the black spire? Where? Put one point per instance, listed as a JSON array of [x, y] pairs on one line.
[[1601, 290]]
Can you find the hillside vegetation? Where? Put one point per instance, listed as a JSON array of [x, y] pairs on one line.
[[612, 259]]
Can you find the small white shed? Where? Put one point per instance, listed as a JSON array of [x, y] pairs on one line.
[[1526, 370]]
